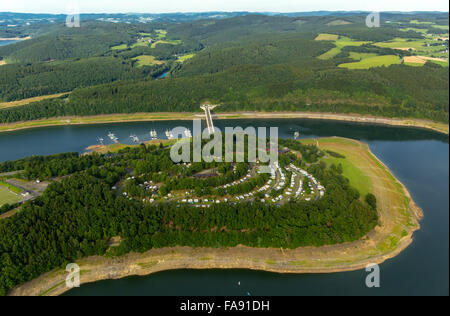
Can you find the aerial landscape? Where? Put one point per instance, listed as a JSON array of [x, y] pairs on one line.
[[238, 151]]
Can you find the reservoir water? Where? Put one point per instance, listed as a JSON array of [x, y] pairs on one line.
[[418, 158], [4, 43]]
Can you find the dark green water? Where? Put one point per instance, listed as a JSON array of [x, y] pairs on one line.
[[418, 158]]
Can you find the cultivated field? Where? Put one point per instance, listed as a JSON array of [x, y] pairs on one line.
[[373, 61], [422, 47], [341, 42], [327, 37], [146, 60], [120, 47], [170, 42], [185, 57], [338, 22]]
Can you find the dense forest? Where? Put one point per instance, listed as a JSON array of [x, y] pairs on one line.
[[80, 212], [38, 79], [379, 91], [253, 62], [93, 39]]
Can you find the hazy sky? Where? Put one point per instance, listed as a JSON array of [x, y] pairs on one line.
[[159, 6]]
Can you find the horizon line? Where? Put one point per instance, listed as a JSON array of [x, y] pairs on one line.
[[234, 11]]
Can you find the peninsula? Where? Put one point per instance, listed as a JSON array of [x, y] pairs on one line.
[[398, 218]]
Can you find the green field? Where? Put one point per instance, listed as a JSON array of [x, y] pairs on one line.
[[407, 29], [10, 187], [327, 37], [413, 64], [357, 176], [338, 22], [374, 61], [431, 24], [8, 197], [140, 44], [185, 57], [442, 27], [358, 179], [120, 47], [360, 56], [404, 43], [161, 33], [145, 60], [171, 42], [340, 43], [418, 46]]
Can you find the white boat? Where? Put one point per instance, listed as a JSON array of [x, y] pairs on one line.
[[169, 134], [135, 138], [111, 135], [187, 132]]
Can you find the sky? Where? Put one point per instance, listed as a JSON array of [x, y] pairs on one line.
[[158, 6]]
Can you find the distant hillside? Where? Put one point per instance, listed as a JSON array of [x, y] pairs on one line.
[[253, 62]]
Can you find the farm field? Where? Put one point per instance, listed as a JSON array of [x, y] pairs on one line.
[[146, 60], [327, 37], [171, 42], [120, 47], [140, 44], [338, 22], [407, 29], [373, 61], [340, 43], [185, 57], [161, 33], [360, 56], [419, 47], [421, 60]]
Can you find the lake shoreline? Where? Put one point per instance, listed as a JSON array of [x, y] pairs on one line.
[[145, 117], [15, 38], [399, 218]]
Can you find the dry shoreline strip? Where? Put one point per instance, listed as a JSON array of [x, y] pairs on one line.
[[173, 116], [398, 219], [15, 38]]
